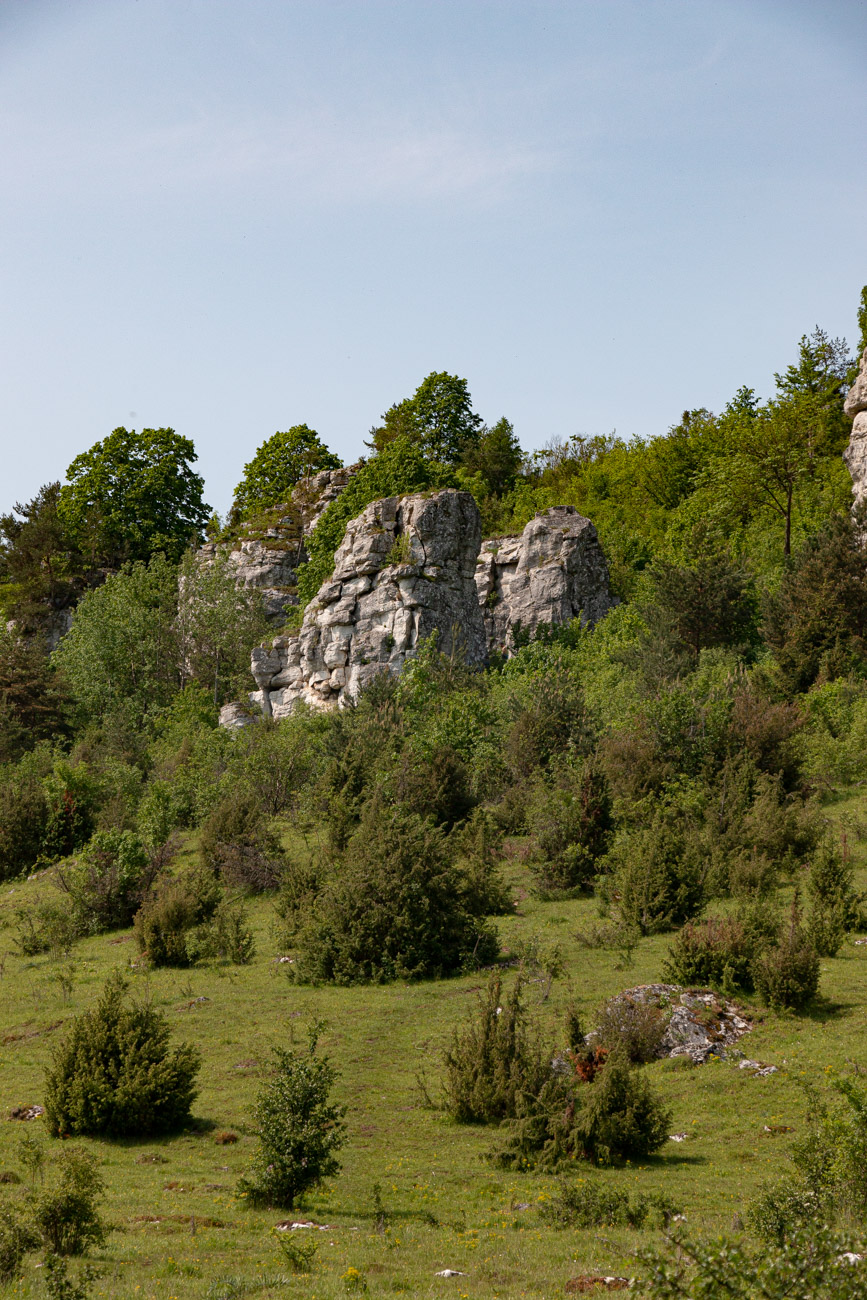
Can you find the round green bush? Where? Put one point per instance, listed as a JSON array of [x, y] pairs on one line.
[[115, 1074]]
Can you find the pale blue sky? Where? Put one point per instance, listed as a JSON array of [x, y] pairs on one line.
[[231, 216]]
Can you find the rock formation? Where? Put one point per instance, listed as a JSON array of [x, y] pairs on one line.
[[855, 454], [270, 549], [410, 566], [404, 570], [554, 572]]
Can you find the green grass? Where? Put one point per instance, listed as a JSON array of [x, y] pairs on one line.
[[448, 1206]]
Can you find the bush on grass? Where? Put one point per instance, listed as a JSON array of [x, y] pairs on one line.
[[572, 825], [239, 843], [478, 842], [616, 1117], [299, 1128], [66, 1214], [393, 908], [115, 1074], [583, 1203], [165, 922], [109, 880], [47, 925], [715, 952], [812, 1264], [495, 1057], [659, 877], [17, 1237], [786, 976]]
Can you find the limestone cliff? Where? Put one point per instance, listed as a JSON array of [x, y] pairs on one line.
[[554, 572], [404, 570], [855, 454], [410, 566]]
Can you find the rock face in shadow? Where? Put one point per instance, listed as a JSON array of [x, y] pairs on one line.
[[404, 570], [554, 572], [855, 454]]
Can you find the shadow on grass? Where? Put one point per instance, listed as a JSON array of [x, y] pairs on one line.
[[822, 1009]]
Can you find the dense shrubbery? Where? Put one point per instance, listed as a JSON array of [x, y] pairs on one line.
[[107, 883], [583, 1203], [786, 975], [115, 1074], [393, 906]]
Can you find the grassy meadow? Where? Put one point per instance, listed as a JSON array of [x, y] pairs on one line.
[[179, 1231]]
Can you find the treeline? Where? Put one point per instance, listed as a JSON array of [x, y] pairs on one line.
[[673, 756]]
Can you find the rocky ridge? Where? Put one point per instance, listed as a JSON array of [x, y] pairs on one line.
[[855, 455], [411, 566]]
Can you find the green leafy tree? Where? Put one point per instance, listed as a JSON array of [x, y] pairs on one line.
[[299, 1128], [710, 602], [115, 1074], [134, 494], [33, 699], [438, 418], [280, 462], [821, 373], [122, 652], [41, 568], [496, 456], [218, 622]]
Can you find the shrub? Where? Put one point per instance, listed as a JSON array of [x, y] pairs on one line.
[[393, 908], [659, 878], [477, 843], [809, 1265], [66, 1215], [835, 904], [109, 880], [572, 824], [493, 1058], [16, 1239], [716, 951], [550, 721], [60, 1286], [23, 812], [227, 935], [45, 926], [434, 783], [164, 921], [298, 1127], [621, 1118], [787, 975], [616, 1117], [114, 1073], [629, 1025], [238, 843], [587, 1204]]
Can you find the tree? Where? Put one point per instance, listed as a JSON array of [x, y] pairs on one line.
[[134, 494], [32, 697], [708, 603], [774, 450], [497, 457], [298, 1128], [821, 373], [438, 418], [122, 649], [278, 465], [41, 568], [218, 622], [816, 623]]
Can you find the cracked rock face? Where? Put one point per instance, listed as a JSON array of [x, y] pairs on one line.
[[855, 454], [700, 1024], [404, 570], [554, 572]]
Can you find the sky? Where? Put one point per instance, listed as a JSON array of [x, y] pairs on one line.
[[232, 216]]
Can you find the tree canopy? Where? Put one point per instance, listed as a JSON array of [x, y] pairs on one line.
[[438, 418], [134, 494], [280, 462]]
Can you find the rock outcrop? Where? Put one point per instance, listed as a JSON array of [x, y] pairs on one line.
[[269, 550], [699, 1024], [404, 570], [554, 572], [855, 454]]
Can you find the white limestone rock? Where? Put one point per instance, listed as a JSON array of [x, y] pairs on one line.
[[554, 572]]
